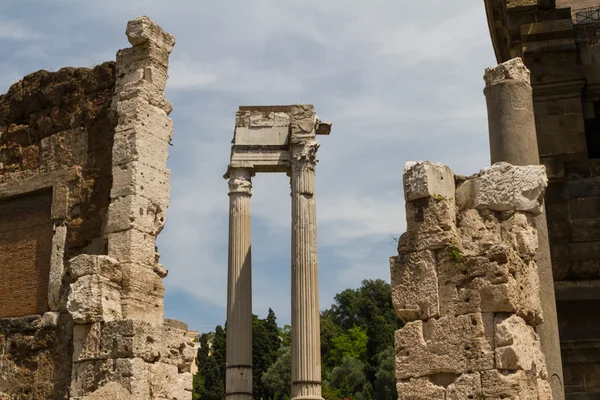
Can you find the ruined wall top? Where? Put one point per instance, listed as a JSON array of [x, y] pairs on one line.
[[513, 69]]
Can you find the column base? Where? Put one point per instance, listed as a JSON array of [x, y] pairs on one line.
[[307, 398]]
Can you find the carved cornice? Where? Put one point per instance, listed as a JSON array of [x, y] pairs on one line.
[[511, 70]]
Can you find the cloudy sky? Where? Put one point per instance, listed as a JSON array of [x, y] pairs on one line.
[[400, 80]]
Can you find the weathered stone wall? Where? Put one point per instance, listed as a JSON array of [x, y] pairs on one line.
[[563, 58], [56, 135], [466, 285], [88, 150]]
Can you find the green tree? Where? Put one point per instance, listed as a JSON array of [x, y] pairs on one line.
[[385, 378], [352, 344], [218, 350], [265, 345], [209, 382], [285, 335], [278, 376], [349, 380]]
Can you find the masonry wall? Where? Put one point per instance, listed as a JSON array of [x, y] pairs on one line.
[[564, 60], [466, 285], [56, 136], [84, 190]]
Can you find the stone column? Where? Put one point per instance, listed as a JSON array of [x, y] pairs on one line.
[[513, 139], [239, 288], [306, 348]]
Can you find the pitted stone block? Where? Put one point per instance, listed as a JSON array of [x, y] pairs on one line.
[[506, 187], [426, 179], [135, 212], [136, 178], [142, 29], [132, 246], [90, 264], [137, 145], [94, 298], [445, 345], [419, 389], [466, 386], [498, 385], [431, 224], [139, 115], [415, 286]]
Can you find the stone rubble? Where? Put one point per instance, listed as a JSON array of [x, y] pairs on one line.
[[465, 283]]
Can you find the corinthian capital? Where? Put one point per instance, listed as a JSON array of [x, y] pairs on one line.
[[304, 155], [239, 180]]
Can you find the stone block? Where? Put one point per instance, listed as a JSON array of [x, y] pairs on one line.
[[589, 187], [445, 345], [143, 307], [140, 179], [466, 386], [111, 391], [135, 144], [426, 179], [518, 346], [57, 267], [146, 341], [584, 251], [419, 389], [584, 208], [415, 286], [501, 385], [86, 342], [132, 246], [136, 212], [585, 230], [132, 374], [430, 224], [94, 298], [142, 29], [498, 281], [478, 232], [167, 383], [139, 115], [505, 187], [519, 231], [93, 264]]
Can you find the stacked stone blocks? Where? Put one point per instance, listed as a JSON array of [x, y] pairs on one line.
[[466, 285], [116, 300]]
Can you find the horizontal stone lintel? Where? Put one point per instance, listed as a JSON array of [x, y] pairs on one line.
[[577, 290], [261, 161]]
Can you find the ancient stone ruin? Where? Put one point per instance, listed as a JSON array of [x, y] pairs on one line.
[[274, 139], [466, 285], [84, 189]]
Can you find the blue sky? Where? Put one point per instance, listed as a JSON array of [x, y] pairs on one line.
[[399, 80]]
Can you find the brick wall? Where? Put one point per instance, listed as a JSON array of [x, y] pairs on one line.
[[25, 248]]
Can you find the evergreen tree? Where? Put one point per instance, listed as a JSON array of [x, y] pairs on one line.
[[277, 378], [218, 351], [265, 345], [209, 382]]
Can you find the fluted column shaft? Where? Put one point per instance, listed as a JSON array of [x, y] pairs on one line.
[[239, 288], [306, 347], [513, 139]]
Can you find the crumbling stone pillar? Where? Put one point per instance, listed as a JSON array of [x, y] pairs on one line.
[[116, 300], [306, 347], [466, 285], [239, 287], [513, 139]]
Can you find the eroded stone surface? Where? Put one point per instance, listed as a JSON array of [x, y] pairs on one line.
[[466, 284]]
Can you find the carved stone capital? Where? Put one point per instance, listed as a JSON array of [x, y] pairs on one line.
[[304, 155], [240, 185], [510, 70]]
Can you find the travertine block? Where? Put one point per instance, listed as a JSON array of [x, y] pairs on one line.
[[90, 264], [506, 187], [167, 383], [431, 224], [415, 286], [498, 385], [136, 178], [94, 298], [448, 344], [111, 391], [498, 281], [518, 346], [141, 306], [135, 212], [138, 114], [86, 342], [142, 29], [466, 386], [426, 179], [419, 389], [147, 341], [135, 144], [519, 230], [132, 246]]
